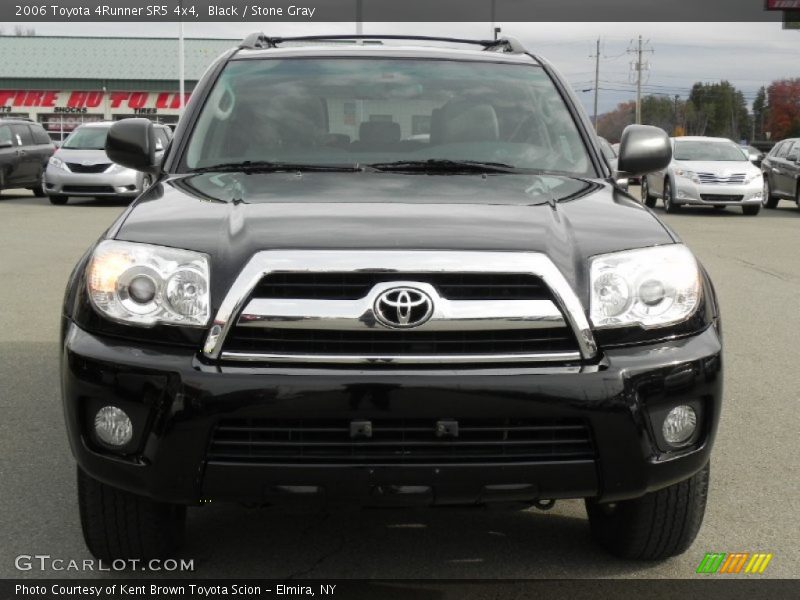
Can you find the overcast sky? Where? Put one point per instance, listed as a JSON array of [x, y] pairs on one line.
[[748, 55]]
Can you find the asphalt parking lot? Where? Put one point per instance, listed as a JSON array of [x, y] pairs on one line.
[[754, 501]]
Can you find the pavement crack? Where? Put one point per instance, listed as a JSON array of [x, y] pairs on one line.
[[322, 558], [319, 560], [785, 277]]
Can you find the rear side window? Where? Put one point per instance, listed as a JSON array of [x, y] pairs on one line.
[[39, 135], [22, 133], [783, 149], [5, 135]]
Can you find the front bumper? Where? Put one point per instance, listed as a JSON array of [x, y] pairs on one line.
[[126, 183], [175, 401], [699, 194]]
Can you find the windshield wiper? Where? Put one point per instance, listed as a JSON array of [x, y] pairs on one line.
[[446, 166], [249, 166]]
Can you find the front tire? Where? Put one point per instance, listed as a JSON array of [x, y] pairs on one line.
[[751, 211], [119, 524], [767, 199], [648, 199], [656, 526], [59, 200], [38, 191], [669, 201]]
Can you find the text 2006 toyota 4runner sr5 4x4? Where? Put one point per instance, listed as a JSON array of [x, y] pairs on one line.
[[390, 273]]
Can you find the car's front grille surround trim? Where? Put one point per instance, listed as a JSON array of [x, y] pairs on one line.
[[564, 300]]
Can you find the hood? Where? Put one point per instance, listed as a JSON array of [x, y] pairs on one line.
[[231, 216], [717, 167], [85, 157]]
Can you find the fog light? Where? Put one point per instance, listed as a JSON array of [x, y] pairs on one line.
[[113, 426], [679, 425]]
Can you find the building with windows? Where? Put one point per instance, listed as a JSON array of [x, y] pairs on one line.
[[62, 82]]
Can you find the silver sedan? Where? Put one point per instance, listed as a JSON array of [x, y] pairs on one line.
[[80, 167], [705, 171]]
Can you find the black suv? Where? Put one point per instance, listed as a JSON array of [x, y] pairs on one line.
[[25, 149], [389, 274], [781, 169]]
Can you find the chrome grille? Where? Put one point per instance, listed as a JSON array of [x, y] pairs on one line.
[[316, 306], [713, 178], [407, 441]]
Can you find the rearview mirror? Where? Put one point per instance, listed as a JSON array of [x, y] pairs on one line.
[[643, 149], [132, 143]]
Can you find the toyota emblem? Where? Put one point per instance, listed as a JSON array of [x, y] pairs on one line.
[[403, 307]]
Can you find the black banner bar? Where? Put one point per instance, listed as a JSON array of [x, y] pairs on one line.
[[708, 587], [387, 10]]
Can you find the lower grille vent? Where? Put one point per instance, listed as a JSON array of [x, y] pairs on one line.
[[404, 441]]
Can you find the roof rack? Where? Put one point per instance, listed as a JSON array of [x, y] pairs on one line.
[[260, 41]]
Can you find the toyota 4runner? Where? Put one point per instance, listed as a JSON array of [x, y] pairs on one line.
[[389, 273]]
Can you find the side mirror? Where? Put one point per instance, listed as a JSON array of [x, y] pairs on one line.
[[6, 144], [622, 183], [132, 144], [643, 149]]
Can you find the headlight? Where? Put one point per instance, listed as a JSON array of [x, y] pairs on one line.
[[650, 287], [115, 168], [687, 174], [752, 177], [144, 285], [57, 163]]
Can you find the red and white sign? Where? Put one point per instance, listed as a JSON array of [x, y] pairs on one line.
[[783, 4], [78, 101]]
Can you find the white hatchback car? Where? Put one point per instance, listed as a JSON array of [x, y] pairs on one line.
[[705, 171]]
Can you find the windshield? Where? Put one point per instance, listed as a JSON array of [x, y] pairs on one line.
[[87, 138], [696, 150], [382, 111]]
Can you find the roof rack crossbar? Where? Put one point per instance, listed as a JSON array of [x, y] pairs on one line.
[[260, 40]]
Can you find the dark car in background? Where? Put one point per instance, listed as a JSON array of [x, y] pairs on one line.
[[781, 170], [25, 149]]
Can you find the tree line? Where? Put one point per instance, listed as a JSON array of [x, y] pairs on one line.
[[716, 110]]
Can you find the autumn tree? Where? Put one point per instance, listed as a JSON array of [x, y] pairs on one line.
[[611, 124], [783, 116]]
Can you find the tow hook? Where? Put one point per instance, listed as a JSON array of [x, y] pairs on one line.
[[544, 504]]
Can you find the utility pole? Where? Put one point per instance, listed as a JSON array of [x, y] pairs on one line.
[[639, 84], [638, 67], [596, 81]]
